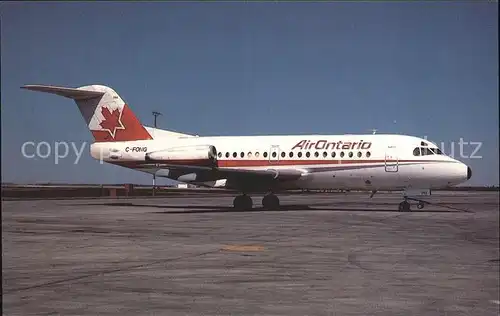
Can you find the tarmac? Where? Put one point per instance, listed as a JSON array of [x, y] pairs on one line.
[[322, 254]]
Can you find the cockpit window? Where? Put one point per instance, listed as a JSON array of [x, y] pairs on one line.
[[436, 151], [426, 151]]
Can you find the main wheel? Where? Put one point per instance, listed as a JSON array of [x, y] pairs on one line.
[[271, 202], [420, 205], [404, 206], [242, 202]]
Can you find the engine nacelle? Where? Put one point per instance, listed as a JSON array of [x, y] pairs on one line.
[[204, 155]]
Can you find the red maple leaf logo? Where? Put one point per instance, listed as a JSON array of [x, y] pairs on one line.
[[112, 121]]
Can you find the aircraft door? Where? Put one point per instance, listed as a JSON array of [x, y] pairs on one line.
[[391, 159], [274, 154]]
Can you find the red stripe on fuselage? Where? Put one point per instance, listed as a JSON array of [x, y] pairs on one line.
[[191, 162], [305, 162], [291, 162], [263, 163]]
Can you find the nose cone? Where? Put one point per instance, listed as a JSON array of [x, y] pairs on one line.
[[469, 173]]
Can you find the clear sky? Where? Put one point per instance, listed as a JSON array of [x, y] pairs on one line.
[[229, 68]]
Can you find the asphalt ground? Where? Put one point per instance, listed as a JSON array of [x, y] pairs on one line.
[[322, 254]]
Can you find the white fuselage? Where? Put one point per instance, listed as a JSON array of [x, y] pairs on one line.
[[252, 164], [268, 163], [373, 162]]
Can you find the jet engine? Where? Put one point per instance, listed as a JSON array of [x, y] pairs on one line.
[[199, 155]]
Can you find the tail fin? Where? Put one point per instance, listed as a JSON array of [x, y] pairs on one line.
[[107, 116]]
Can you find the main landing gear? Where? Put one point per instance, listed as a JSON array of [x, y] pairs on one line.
[[405, 205], [270, 202], [244, 202]]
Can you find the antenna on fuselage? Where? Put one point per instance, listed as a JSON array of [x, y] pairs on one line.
[[374, 131]]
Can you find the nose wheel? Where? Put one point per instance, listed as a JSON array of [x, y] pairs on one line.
[[404, 206]]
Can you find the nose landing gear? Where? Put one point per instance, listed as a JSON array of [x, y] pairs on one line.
[[406, 207]]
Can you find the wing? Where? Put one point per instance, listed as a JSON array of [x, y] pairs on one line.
[[243, 179]]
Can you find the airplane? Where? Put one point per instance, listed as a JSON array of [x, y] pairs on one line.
[[263, 164]]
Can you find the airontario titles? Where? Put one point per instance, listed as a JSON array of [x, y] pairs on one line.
[[325, 145]]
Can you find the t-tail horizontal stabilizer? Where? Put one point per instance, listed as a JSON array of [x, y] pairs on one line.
[[75, 94], [107, 116]]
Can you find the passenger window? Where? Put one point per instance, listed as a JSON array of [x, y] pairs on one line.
[[341, 154], [249, 154], [316, 154], [416, 152], [235, 154], [242, 154], [299, 154], [291, 154], [257, 154], [283, 154], [325, 154], [368, 154], [359, 154], [219, 155], [274, 154], [333, 154], [308, 154], [265, 154], [350, 154]]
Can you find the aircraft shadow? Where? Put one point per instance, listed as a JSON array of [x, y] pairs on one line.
[[201, 209]]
